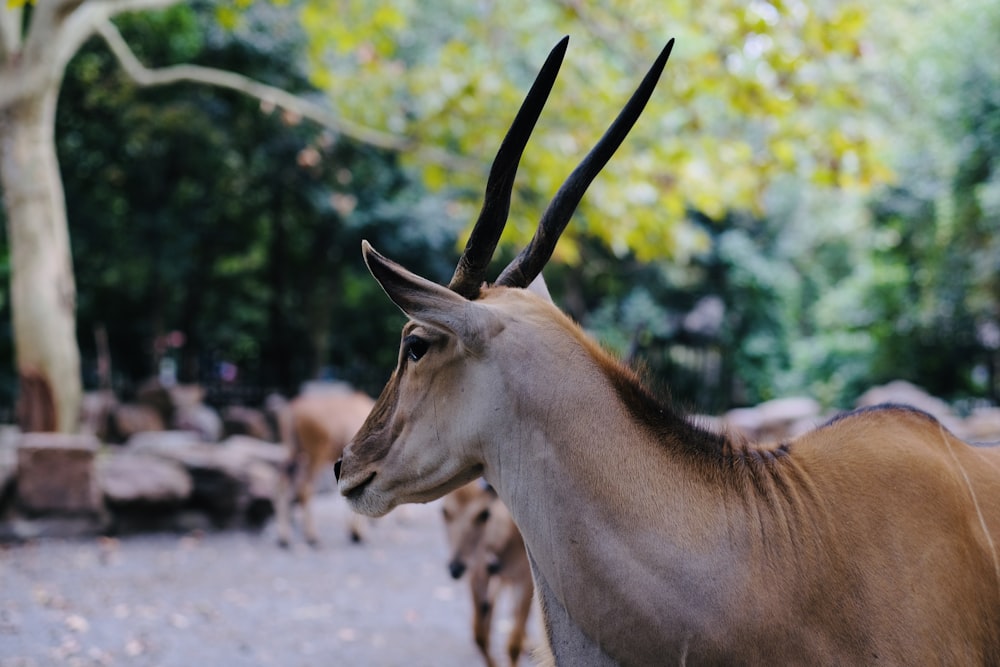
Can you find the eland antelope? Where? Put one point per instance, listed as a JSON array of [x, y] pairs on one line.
[[315, 427], [653, 540]]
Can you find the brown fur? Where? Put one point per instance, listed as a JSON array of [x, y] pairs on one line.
[[315, 427]]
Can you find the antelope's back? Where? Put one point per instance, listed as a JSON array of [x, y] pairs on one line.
[[915, 518], [982, 465], [900, 440], [910, 464], [331, 417]]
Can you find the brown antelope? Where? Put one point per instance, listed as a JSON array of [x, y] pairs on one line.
[[652, 540], [315, 427], [485, 542]]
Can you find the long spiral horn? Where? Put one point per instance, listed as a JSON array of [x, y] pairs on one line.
[[472, 265], [529, 263]]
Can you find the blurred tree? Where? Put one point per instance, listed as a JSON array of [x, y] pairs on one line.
[[939, 224], [752, 91], [756, 97], [841, 292], [218, 238], [720, 331], [36, 44]]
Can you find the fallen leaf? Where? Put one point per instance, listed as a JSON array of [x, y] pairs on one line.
[[347, 634], [134, 647], [77, 623]]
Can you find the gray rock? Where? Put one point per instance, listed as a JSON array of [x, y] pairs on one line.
[[199, 418], [160, 442], [902, 392], [20, 529], [56, 474], [775, 420], [230, 480], [241, 420], [128, 419], [132, 477], [983, 425], [269, 452]]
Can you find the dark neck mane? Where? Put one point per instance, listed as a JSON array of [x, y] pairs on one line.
[[663, 421], [717, 453], [712, 450]]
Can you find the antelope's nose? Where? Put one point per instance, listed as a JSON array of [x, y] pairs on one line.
[[336, 468], [457, 569]]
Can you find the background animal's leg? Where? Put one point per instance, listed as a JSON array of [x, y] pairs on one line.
[[524, 595], [357, 527], [283, 502], [305, 497], [482, 610]]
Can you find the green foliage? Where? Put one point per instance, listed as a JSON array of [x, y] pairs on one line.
[[941, 222], [197, 211], [752, 91], [169, 37], [717, 333], [845, 294]]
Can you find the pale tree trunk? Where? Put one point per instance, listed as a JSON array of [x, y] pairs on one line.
[[43, 291]]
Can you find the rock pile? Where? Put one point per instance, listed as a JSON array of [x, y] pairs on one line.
[[786, 418], [58, 484]]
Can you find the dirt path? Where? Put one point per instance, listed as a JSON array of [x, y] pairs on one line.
[[235, 599]]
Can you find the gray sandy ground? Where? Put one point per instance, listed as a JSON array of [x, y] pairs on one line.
[[235, 599]]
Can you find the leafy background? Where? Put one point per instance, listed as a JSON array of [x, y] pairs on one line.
[[810, 204]]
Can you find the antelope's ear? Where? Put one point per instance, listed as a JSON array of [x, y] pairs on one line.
[[425, 301], [539, 287]]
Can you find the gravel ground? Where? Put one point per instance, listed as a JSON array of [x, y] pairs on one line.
[[236, 599]]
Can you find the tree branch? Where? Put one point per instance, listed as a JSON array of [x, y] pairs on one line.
[[56, 30], [10, 31], [115, 7], [55, 33], [145, 76]]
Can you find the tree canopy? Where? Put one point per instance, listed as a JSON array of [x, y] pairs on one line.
[[809, 203], [753, 91]]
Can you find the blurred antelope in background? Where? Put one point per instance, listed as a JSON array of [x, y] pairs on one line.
[[485, 543], [315, 427], [652, 540]]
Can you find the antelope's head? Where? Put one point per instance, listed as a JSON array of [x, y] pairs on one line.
[[466, 512], [450, 393]]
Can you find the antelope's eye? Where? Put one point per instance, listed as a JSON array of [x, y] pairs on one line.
[[414, 347], [483, 516]]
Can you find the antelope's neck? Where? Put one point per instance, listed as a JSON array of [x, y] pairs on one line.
[[612, 510]]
